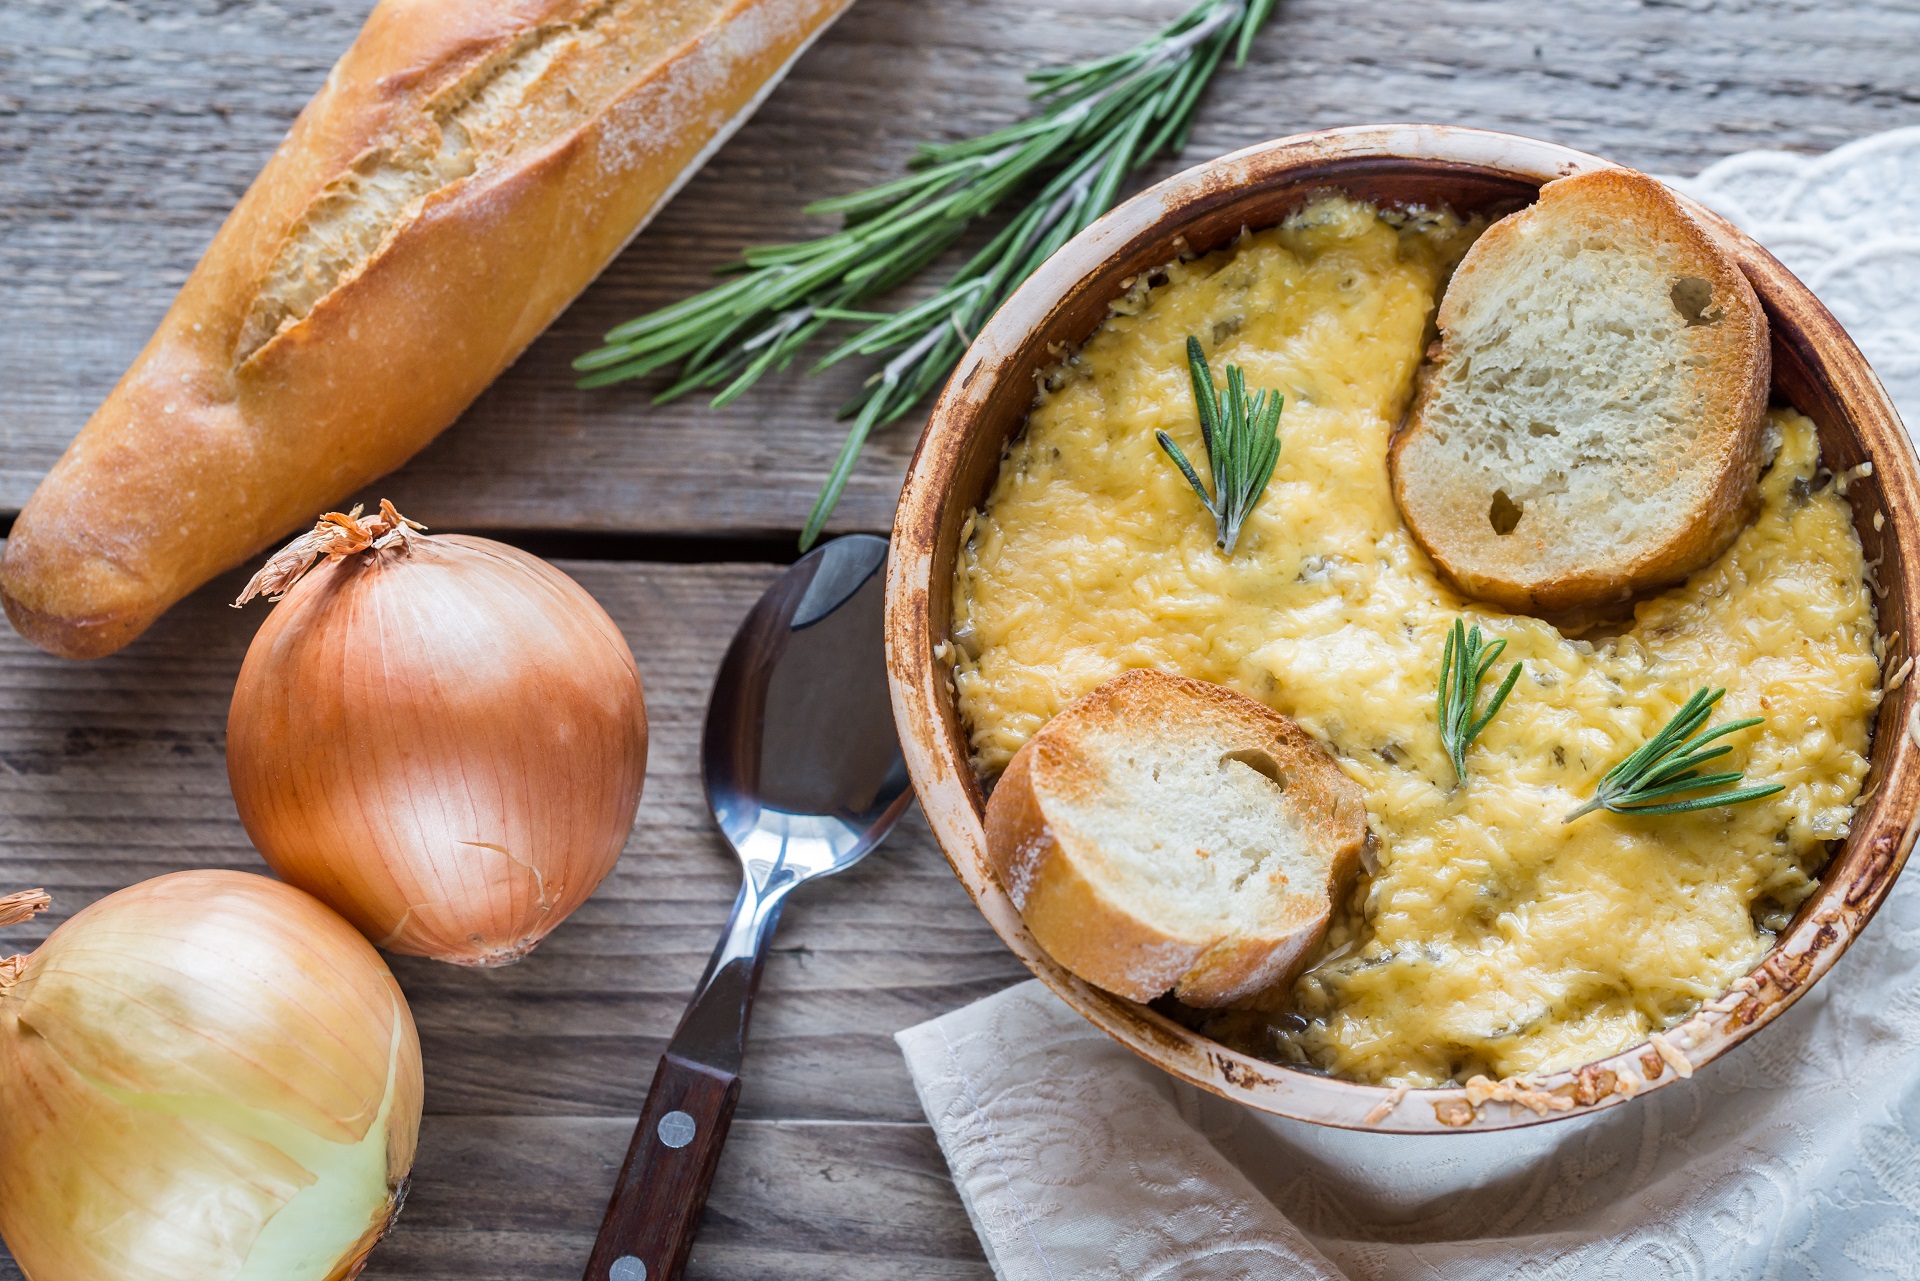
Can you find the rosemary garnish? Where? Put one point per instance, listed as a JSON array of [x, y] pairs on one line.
[[1668, 765], [1098, 122], [1242, 440], [1464, 663]]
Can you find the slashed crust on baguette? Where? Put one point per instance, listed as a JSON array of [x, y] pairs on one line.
[[1162, 833], [465, 171], [1590, 425]]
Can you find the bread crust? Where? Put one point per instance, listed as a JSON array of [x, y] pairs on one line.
[[1513, 570], [206, 452], [1059, 890]]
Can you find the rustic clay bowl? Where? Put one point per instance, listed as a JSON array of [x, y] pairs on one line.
[[1815, 367]]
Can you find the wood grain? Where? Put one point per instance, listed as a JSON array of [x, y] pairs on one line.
[[507, 1199], [127, 131], [112, 772]]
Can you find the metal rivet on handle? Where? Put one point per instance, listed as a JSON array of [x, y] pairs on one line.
[[627, 1268], [676, 1131]]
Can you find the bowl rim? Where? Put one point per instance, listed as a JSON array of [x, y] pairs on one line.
[[1857, 878]]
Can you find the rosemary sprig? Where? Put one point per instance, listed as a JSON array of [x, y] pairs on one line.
[[1464, 663], [1242, 440], [1097, 123], [1669, 765]]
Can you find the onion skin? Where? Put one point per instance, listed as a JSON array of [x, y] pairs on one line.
[[205, 991], [443, 739]]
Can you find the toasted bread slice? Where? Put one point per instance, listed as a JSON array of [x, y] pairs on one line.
[[1590, 425], [1164, 833]]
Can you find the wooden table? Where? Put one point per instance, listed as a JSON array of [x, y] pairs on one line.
[[126, 132]]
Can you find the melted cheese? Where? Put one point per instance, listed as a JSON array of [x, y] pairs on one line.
[[1495, 939]]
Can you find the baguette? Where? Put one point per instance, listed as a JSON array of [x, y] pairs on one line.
[[1164, 833], [1591, 425], [469, 166]]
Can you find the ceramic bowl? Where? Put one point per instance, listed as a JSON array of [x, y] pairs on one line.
[[1816, 367]]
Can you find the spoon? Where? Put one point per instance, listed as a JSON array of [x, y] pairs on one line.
[[804, 776]]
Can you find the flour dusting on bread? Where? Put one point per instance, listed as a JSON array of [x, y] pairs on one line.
[[540, 85]]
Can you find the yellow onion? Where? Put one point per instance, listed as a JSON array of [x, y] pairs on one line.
[[442, 738], [206, 1077]]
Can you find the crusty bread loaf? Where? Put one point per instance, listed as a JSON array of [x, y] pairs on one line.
[[1164, 833], [1590, 426], [468, 167]]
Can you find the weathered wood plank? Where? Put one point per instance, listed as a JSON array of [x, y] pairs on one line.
[[507, 1199], [520, 1200], [127, 130], [111, 772]]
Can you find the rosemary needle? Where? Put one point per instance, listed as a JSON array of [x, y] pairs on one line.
[[1668, 765], [1242, 440], [1097, 123], [1464, 663]]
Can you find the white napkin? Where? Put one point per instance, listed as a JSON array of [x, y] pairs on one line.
[[1796, 1156]]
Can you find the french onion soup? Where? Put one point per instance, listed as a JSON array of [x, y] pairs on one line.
[[1495, 936]]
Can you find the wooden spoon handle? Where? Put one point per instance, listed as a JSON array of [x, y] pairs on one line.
[[656, 1205]]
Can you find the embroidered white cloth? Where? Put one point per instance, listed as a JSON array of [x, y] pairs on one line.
[[1795, 1157]]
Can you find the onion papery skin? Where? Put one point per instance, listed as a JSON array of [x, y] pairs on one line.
[[206, 1077], [444, 740]]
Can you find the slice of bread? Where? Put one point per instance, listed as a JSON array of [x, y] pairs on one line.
[[1164, 833], [1590, 425]]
